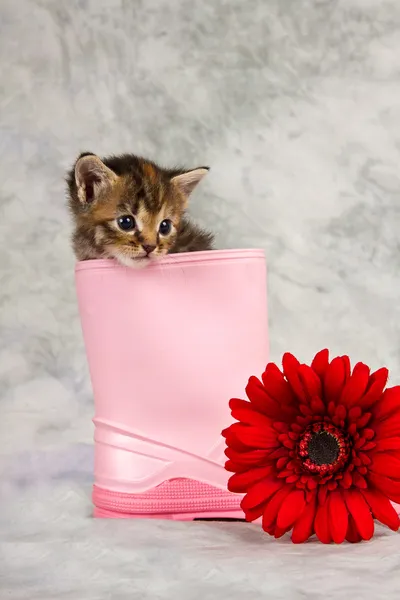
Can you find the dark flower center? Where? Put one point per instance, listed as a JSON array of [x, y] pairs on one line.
[[323, 449]]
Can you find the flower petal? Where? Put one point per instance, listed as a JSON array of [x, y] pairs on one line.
[[387, 486], [254, 437], [239, 403], [356, 385], [239, 483], [320, 362], [291, 509], [322, 494], [252, 514], [259, 398], [278, 453], [360, 511], [388, 404], [365, 447], [291, 371], [234, 467], [276, 531], [260, 492], [276, 385], [359, 480], [334, 381], [310, 381], [279, 532], [249, 416], [252, 458], [340, 412], [304, 525], [321, 524], [264, 404], [281, 427], [346, 480], [377, 382], [273, 506], [352, 534], [389, 427], [354, 413], [382, 508], [392, 443], [363, 420], [317, 406], [365, 459], [231, 440], [338, 516], [386, 464], [347, 366]]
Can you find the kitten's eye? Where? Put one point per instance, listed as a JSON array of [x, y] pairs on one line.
[[165, 227], [126, 223]]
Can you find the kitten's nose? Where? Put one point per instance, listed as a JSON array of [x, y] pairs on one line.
[[148, 249]]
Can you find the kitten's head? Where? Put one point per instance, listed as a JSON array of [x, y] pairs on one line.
[[127, 207]]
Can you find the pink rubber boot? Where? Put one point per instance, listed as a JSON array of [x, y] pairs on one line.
[[167, 347]]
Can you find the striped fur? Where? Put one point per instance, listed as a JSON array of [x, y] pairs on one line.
[[100, 191]]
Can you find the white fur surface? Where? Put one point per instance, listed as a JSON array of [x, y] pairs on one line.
[[294, 105]]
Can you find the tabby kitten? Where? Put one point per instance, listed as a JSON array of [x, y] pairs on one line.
[[128, 208]]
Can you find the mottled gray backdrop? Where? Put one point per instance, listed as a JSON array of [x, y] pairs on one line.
[[295, 104]]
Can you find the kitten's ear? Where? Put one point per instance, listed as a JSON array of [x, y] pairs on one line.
[[92, 178], [189, 180]]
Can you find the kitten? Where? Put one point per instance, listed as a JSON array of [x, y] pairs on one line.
[[130, 209]]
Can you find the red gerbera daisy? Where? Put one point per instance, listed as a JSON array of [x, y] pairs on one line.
[[317, 449]]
